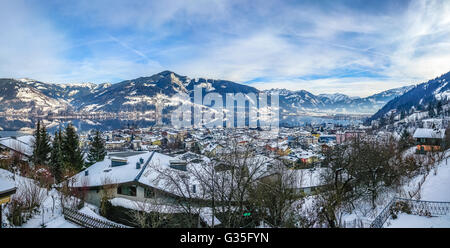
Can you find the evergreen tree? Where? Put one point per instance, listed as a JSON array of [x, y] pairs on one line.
[[57, 157], [73, 157], [406, 140], [439, 107], [36, 144], [431, 110], [45, 147], [97, 150], [41, 145]]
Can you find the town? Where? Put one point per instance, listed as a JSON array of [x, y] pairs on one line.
[[209, 177]]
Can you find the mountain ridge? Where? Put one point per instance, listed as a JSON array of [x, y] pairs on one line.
[[142, 93], [417, 98]]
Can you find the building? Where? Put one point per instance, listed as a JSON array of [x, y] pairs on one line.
[[21, 145], [428, 139], [129, 175], [349, 135], [6, 190], [115, 145], [327, 138]]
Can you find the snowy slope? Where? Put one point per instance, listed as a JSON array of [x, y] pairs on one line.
[[437, 186]]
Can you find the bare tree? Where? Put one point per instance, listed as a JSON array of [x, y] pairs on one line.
[[276, 199], [222, 183], [338, 195]]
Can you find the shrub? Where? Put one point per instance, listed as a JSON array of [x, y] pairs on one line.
[[400, 207], [15, 212]]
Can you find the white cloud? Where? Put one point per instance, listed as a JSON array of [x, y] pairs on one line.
[[29, 46], [233, 40]]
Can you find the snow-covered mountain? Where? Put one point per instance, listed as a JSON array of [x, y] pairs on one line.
[[141, 94], [418, 97], [20, 97], [74, 93], [304, 101]]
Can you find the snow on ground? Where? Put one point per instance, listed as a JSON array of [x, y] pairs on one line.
[[92, 210], [437, 187], [416, 221], [51, 216]]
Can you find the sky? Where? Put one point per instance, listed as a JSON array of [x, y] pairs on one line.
[[356, 48]]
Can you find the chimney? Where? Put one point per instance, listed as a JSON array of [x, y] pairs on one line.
[[138, 165]]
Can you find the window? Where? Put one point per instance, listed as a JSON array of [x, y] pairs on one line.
[[149, 193], [132, 190], [194, 190], [127, 190]]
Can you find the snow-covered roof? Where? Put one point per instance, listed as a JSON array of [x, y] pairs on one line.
[[6, 186], [429, 133], [103, 172], [21, 144]]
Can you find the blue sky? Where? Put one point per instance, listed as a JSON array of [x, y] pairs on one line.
[[352, 47]]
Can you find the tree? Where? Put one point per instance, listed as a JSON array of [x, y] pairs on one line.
[[41, 145], [73, 157], [222, 184], [57, 157], [273, 198], [439, 107], [406, 140], [36, 143], [431, 112], [97, 150], [45, 147], [446, 141], [338, 194]]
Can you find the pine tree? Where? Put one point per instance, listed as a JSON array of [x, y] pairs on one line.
[[431, 110], [41, 145], [36, 144], [439, 107], [57, 157], [405, 140], [97, 150], [73, 157], [45, 147]]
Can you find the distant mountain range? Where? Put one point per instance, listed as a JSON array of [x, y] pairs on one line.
[[27, 96]]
